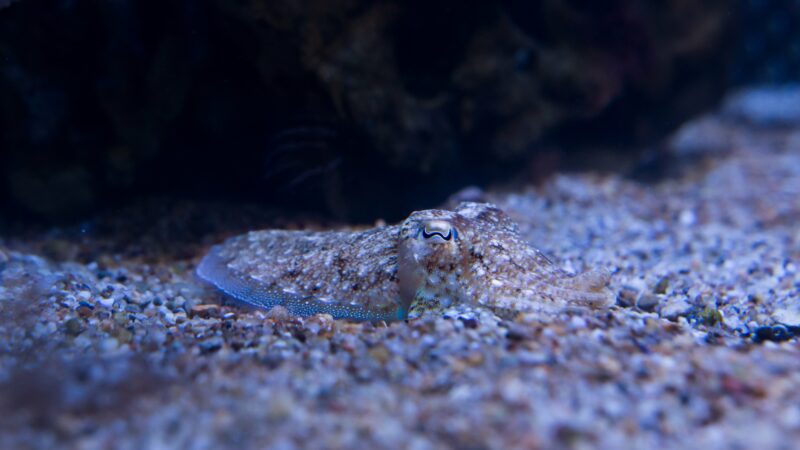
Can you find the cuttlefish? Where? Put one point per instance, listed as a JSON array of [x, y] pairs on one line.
[[434, 260]]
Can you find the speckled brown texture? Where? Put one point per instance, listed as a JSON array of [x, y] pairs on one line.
[[489, 263], [473, 255], [334, 266]]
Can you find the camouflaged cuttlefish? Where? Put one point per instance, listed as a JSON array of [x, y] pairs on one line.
[[435, 259]]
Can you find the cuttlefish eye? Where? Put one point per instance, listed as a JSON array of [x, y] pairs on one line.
[[438, 230]]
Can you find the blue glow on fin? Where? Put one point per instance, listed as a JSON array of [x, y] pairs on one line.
[[214, 269]]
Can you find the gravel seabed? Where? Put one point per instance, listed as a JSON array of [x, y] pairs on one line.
[[107, 340]]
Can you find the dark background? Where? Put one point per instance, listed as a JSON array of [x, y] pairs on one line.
[[354, 109]]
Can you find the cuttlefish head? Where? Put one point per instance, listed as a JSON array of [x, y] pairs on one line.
[[440, 241], [433, 239], [430, 254]]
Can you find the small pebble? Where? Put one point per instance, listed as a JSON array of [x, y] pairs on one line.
[[168, 317], [469, 322], [210, 345], [674, 308], [661, 286], [84, 310], [648, 302], [205, 311], [86, 304], [75, 326], [687, 218], [627, 296]]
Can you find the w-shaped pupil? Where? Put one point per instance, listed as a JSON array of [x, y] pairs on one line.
[[429, 234]]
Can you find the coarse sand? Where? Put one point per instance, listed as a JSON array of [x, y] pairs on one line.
[[107, 339]]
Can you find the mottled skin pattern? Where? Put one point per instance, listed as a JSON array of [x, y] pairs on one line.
[[435, 259]]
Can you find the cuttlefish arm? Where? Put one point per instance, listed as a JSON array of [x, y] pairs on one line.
[[587, 288], [215, 270]]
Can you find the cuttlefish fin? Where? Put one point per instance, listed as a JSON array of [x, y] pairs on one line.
[[214, 269]]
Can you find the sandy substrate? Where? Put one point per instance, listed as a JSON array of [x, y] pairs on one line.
[[108, 340]]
